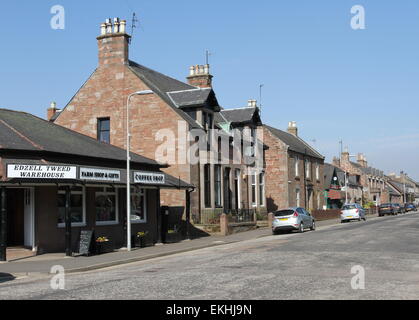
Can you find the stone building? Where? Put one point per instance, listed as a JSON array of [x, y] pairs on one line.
[[56, 183], [294, 170], [372, 180], [165, 118]]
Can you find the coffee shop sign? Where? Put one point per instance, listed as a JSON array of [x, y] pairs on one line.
[[149, 177]]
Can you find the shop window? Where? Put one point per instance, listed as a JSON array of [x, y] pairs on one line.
[[104, 130], [106, 203], [77, 206], [138, 206]]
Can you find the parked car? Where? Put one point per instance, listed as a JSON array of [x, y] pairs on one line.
[[400, 208], [410, 207], [387, 208], [352, 211], [292, 219]]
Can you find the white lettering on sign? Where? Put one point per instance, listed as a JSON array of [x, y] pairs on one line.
[[24, 171], [99, 174], [149, 177]]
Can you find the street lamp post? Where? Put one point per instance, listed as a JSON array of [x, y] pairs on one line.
[[128, 169]]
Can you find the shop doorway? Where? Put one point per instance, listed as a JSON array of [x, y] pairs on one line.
[[20, 217]]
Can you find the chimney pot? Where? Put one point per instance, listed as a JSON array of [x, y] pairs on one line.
[[116, 25], [122, 27], [103, 28]]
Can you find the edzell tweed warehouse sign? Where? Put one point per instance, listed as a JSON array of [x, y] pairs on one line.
[[41, 172]]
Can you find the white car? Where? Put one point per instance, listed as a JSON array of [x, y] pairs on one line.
[[352, 211]]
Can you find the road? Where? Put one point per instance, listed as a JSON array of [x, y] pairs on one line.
[[312, 265]]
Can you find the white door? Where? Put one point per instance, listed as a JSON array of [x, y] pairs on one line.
[[29, 218]]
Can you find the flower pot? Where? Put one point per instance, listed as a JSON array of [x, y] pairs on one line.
[[104, 247]]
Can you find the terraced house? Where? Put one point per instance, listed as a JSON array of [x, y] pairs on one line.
[[373, 180], [162, 113], [294, 170]]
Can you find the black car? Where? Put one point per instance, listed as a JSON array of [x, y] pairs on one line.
[[388, 208], [400, 208]]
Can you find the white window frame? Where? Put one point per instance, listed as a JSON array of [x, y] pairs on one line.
[[308, 169], [144, 192], [297, 166], [104, 192], [262, 185], [297, 197], [317, 172], [254, 184], [76, 224]]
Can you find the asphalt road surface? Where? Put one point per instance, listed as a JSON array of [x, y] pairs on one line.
[[312, 265]]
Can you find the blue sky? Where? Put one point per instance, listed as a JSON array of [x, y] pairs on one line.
[[337, 83]]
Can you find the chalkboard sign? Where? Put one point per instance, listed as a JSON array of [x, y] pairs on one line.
[[85, 244]]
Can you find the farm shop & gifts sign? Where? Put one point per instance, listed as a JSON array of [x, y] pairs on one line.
[[148, 177], [24, 171], [99, 174]]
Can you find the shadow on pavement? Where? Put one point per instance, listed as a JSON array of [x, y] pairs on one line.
[[4, 277]]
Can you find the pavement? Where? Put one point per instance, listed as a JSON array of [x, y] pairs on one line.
[[42, 264]]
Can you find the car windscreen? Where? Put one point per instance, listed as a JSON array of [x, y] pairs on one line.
[[385, 205], [284, 213], [349, 207]]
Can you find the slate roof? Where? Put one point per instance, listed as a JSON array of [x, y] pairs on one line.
[[392, 190], [193, 97], [295, 143], [161, 85], [328, 174], [26, 132], [369, 170], [397, 185], [240, 115]]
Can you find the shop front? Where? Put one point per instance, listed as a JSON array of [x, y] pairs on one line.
[[50, 193]]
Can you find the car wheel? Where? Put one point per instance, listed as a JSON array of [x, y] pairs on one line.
[[313, 227], [301, 228]]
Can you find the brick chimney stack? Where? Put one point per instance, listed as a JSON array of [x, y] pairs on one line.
[[51, 111], [345, 156], [252, 103], [199, 76], [362, 161], [292, 128], [113, 42]]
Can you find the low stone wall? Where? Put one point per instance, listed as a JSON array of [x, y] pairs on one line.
[[321, 215], [227, 228]]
